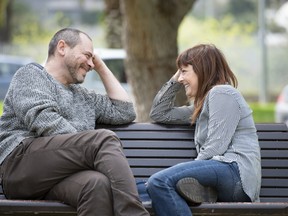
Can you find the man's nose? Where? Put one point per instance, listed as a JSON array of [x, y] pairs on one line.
[[90, 63]]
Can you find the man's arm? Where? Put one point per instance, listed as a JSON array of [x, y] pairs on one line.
[[112, 85]]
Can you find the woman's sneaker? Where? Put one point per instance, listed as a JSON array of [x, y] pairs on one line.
[[193, 191]]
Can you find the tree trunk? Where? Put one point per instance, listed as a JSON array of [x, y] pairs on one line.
[[113, 21], [150, 39], [5, 20]]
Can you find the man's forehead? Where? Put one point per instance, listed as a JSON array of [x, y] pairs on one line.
[[86, 43]]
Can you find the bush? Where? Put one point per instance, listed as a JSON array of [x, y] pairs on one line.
[[263, 113]]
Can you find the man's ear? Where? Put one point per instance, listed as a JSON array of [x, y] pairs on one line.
[[61, 47]]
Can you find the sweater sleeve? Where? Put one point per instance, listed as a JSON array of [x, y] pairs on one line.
[[34, 102], [114, 112], [163, 109]]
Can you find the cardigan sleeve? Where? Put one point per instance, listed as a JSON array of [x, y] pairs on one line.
[[163, 109]]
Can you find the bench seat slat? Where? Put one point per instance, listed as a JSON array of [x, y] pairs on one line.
[[272, 136], [279, 163], [148, 153], [271, 127], [167, 144], [57, 208], [272, 144], [138, 143], [275, 173], [273, 182], [247, 209], [274, 192], [151, 162], [274, 153], [42, 205], [147, 135], [274, 199]]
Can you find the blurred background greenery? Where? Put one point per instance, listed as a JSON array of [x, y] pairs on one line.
[[261, 113], [1, 107], [231, 25]]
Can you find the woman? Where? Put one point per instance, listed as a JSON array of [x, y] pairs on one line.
[[227, 167]]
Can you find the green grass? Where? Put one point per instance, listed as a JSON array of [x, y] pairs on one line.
[[1, 107], [262, 113]]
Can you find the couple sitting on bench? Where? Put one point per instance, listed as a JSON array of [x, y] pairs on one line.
[[50, 150]]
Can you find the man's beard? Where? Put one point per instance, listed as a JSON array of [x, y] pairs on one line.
[[73, 73]]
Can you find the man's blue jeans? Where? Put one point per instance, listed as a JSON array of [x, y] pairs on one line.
[[224, 177]]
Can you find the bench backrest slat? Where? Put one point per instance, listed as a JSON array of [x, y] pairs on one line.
[[153, 147]]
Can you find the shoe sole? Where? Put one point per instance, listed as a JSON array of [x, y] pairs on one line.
[[193, 191]]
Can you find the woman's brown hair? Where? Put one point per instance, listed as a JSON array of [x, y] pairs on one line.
[[211, 68]]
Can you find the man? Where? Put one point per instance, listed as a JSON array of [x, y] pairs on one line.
[[48, 146]]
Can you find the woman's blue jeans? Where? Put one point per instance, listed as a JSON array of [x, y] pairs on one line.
[[224, 177]]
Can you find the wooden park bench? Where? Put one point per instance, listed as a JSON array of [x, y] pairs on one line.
[[152, 147]]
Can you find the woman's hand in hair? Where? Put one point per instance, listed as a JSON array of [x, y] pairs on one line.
[[176, 75]]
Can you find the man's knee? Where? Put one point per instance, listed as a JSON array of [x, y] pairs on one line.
[[96, 181], [103, 136]]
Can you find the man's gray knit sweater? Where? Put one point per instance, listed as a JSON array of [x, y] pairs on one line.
[[38, 105]]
